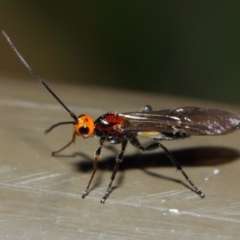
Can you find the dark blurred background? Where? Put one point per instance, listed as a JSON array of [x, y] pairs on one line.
[[185, 48]]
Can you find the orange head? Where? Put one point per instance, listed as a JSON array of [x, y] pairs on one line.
[[84, 127]]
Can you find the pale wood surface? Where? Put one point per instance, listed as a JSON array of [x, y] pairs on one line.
[[40, 196]]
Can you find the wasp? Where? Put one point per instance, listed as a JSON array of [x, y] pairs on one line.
[[158, 125]]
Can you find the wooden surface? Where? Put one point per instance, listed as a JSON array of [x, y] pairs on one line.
[[40, 195]]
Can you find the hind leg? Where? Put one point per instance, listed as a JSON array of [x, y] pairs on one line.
[[134, 141]]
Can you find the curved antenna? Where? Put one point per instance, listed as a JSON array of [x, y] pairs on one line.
[[37, 76], [57, 124]]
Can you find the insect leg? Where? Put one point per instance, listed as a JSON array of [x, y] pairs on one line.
[[72, 141], [96, 157], [119, 159], [134, 141]]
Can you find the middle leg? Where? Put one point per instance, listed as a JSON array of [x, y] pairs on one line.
[[134, 141]]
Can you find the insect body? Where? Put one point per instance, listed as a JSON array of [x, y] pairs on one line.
[[169, 124]]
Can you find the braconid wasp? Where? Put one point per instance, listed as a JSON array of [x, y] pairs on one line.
[[158, 125]]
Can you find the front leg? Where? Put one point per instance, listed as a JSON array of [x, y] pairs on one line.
[[67, 145], [134, 141]]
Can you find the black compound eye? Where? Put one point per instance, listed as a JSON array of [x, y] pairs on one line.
[[83, 130]]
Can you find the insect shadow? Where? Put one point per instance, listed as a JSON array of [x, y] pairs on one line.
[[195, 157]]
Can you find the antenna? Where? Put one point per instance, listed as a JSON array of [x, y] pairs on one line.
[[37, 76]]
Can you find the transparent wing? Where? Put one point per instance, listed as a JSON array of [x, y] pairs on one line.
[[187, 120]]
